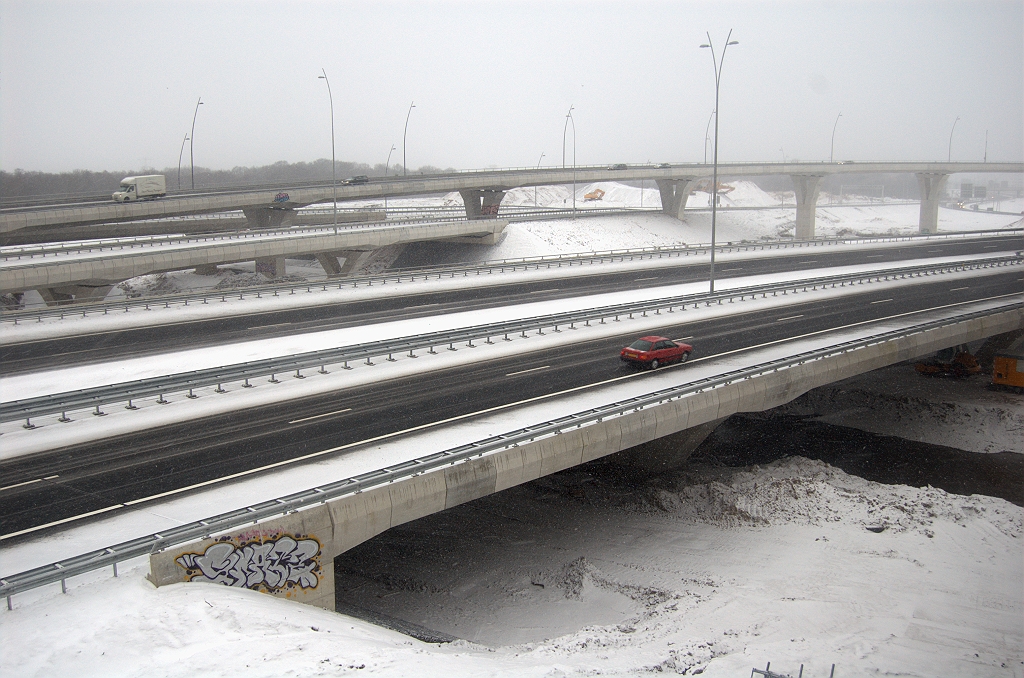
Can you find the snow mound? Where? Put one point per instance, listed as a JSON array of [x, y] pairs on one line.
[[810, 492]]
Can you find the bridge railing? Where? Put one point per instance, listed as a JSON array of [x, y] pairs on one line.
[[127, 392], [208, 527]]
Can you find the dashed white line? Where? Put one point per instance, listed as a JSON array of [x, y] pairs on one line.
[[792, 317], [881, 301], [957, 289], [726, 270], [532, 369], [27, 482], [263, 327], [318, 416]]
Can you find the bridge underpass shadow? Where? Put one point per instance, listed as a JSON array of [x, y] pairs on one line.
[[420, 578]]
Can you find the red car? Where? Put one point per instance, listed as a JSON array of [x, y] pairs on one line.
[[654, 351]]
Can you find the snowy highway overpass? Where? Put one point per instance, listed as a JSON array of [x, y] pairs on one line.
[[482, 191]]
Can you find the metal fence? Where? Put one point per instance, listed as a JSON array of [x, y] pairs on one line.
[[208, 527]]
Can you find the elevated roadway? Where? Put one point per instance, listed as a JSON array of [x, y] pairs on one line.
[[91, 346], [482, 191]]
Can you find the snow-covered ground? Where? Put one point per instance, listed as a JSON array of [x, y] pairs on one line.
[[706, 570]]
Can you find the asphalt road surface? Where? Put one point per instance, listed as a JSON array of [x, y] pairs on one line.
[[46, 487]]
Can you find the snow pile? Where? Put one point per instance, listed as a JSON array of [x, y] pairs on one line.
[[895, 400], [706, 570]]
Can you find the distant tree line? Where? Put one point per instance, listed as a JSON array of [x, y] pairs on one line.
[[22, 184]]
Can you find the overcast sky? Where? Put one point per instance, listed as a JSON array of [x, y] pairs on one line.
[[113, 85]]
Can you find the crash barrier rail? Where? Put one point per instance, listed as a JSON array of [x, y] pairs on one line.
[[203, 529], [463, 270], [768, 673], [161, 386]]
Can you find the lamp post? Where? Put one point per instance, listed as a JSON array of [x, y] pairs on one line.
[[191, 155], [535, 188], [707, 139], [985, 159], [405, 166], [949, 151], [181, 153], [568, 119], [334, 164], [832, 153], [387, 165], [714, 181]]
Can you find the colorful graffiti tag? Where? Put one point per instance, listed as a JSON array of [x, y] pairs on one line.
[[271, 565]]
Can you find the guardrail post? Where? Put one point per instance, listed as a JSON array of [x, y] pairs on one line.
[[64, 417]]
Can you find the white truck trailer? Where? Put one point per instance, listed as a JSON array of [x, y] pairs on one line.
[[141, 188]]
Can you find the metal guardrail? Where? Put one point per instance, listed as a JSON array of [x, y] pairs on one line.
[[488, 267], [208, 527], [160, 386]]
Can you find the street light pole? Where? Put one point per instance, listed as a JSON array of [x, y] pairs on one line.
[[706, 137], [714, 181], [949, 151], [334, 164], [568, 119], [191, 155], [181, 153], [535, 188], [405, 166], [387, 165], [832, 153]]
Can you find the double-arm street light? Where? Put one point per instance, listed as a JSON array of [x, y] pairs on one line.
[[568, 119], [535, 188], [714, 181], [191, 155], [181, 153], [334, 165], [405, 165], [949, 151], [832, 153]]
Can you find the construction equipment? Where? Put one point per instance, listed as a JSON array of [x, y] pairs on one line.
[[1008, 371], [595, 194], [954, 362]]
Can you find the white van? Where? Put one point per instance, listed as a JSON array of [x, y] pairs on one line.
[[141, 188]]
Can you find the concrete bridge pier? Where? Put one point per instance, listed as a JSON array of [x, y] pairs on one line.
[[806, 187], [350, 261], [69, 294], [674, 194], [933, 187], [267, 217], [482, 204], [271, 267]]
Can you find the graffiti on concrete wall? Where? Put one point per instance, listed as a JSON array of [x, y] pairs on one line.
[[270, 565]]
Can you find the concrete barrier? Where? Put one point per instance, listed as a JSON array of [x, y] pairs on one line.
[[292, 555]]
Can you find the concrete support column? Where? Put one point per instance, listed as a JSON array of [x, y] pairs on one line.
[[60, 296], [674, 194], [806, 187], [343, 263], [267, 217], [482, 204], [933, 187], [272, 267]]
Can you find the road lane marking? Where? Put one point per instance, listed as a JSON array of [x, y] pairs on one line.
[[874, 256], [812, 261], [542, 291], [642, 279], [957, 289], [422, 306], [496, 408], [27, 482], [317, 416], [881, 301], [792, 317], [683, 339], [532, 369], [726, 270]]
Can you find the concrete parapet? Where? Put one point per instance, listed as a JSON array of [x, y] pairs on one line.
[[291, 555]]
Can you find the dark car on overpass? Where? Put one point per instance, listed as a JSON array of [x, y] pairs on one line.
[[652, 351]]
